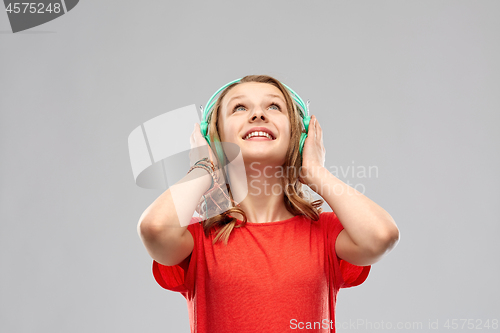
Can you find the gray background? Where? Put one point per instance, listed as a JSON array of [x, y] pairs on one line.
[[411, 87]]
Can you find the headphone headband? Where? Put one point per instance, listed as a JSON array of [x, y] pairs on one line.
[[303, 107], [303, 110]]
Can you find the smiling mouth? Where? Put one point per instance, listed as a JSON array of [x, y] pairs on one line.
[[259, 136]]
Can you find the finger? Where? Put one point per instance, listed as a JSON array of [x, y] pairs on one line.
[[309, 129], [315, 128], [320, 131]]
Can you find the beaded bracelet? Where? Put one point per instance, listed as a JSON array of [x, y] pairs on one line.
[[208, 165]]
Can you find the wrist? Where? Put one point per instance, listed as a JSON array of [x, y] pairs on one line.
[[313, 175], [207, 165]]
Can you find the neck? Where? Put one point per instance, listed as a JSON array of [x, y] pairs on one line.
[[259, 192]]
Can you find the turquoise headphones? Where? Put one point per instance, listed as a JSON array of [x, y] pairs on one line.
[[303, 110]]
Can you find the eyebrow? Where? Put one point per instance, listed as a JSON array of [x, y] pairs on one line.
[[271, 95]]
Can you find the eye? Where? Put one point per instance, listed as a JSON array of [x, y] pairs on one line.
[[238, 106], [276, 106]]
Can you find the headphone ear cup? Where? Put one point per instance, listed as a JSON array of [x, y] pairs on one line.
[[220, 152], [218, 148], [306, 123], [204, 128], [303, 137]]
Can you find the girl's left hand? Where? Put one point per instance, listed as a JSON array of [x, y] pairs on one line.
[[313, 153]]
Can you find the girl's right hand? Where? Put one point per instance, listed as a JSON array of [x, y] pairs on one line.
[[199, 147]]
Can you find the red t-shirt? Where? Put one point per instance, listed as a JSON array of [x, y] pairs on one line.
[[271, 277]]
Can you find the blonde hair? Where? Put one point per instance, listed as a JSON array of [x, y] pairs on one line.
[[297, 201]]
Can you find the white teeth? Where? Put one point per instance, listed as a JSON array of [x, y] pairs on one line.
[[258, 134]]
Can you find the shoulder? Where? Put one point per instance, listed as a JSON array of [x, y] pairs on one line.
[[195, 226], [330, 226], [330, 220]]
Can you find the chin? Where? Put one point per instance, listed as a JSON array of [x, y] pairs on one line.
[[264, 157]]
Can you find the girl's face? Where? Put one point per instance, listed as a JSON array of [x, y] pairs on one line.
[[251, 105]]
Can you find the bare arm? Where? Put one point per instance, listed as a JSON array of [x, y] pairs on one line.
[[369, 231], [163, 225]]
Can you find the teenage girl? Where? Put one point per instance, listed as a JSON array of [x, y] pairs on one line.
[[273, 262]]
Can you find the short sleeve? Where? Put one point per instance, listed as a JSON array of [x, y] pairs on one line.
[[346, 274], [180, 277]]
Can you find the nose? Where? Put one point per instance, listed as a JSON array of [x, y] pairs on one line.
[[256, 113]]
